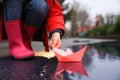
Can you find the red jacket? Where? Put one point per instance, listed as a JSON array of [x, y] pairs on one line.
[[54, 21]]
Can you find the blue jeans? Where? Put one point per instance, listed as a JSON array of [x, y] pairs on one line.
[[33, 12]]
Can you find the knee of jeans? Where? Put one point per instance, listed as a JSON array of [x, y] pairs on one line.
[[41, 9]]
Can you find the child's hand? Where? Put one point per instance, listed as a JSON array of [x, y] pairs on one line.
[[55, 40]]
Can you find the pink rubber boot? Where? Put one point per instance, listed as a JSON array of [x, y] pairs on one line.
[[27, 34], [17, 49]]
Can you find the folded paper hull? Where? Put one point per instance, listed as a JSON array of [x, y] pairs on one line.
[[74, 57]]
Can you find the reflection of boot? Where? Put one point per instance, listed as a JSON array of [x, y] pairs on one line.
[[27, 34], [16, 46]]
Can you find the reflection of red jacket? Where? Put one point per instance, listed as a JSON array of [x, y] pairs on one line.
[[54, 21]]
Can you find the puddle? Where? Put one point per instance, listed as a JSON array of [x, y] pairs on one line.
[[100, 62]]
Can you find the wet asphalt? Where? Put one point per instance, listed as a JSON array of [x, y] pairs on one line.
[[38, 68]]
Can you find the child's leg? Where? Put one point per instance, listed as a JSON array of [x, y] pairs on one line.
[[34, 14], [12, 10]]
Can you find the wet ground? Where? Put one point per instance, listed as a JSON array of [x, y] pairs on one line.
[[100, 62]]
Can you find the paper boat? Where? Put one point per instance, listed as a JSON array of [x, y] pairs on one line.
[[68, 55], [70, 68]]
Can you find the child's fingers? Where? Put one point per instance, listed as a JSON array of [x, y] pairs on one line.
[[58, 45], [54, 43], [50, 43]]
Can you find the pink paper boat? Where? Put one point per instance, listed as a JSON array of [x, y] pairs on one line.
[[68, 55], [70, 68]]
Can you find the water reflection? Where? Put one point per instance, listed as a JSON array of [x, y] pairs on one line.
[[102, 61], [70, 68]]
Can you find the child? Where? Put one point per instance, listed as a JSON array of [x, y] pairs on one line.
[[23, 18]]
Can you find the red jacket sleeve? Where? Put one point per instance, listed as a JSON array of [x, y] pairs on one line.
[[55, 18]]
